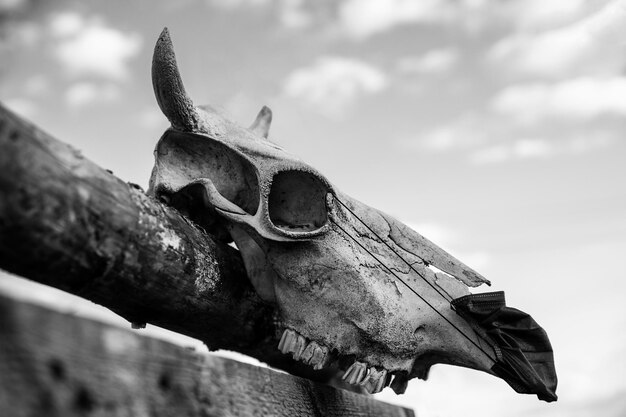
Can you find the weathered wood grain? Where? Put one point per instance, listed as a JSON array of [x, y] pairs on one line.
[[57, 365], [67, 223]]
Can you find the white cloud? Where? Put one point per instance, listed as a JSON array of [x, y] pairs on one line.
[[538, 14], [333, 83], [537, 148], [466, 132], [592, 45], [85, 93], [87, 47], [435, 61], [580, 98], [548, 54], [535, 121], [440, 138], [518, 149], [64, 24], [364, 18]]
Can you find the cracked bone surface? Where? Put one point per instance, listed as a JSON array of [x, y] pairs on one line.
[[353, 285]]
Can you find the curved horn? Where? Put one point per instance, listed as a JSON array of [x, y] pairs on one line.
[[168, 87], [261, 125]]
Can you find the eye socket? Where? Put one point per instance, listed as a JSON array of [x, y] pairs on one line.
[[184, 158], [297, 201]]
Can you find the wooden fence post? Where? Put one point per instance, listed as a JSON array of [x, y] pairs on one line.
[[57, 365], [67, 223]]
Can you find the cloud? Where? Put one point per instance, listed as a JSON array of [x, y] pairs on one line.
[[435, 61], [487, 138], [466, 132], [85, 93], [363, 18], [531, 121], [65, 24], [536, 148], [541, 14], [87, 47], [332, 84], [569, 93], [591, 45], [356, 19], [580, 98], [518, 149]]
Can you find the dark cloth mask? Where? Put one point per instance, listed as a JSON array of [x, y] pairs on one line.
[[524, 357]]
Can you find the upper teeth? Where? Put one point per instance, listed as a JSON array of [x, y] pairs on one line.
[[318, 356], [310, 353], [368, 377]]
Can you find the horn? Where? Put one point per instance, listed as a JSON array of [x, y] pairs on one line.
[[261, 125], [168, 87]]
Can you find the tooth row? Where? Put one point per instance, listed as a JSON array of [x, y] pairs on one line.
[[309, 353], [359, 373], [370, 378]]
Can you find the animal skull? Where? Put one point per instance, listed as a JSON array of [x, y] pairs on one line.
[[352, 284]]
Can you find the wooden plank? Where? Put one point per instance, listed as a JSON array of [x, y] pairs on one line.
[[54, 364], [68, 223]]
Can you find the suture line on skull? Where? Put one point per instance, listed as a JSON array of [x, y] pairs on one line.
[[409, 287], [394, 251]]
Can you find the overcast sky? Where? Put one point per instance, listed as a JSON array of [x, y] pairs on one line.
[[495, 128]]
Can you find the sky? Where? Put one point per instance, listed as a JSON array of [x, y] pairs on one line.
[[494, 128]]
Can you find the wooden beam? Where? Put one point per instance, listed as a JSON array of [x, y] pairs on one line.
[[56, 364], [67, 223]]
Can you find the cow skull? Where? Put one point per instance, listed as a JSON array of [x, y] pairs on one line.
[[353, 285]]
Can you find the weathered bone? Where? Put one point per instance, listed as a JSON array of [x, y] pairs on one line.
[[261, 125], [350, 282], [376, 380], [169, 89], [307, 355], [356, 373], [315, 251], [320, 357]]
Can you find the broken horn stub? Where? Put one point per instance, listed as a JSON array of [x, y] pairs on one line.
[[261, 125], [168, 86]]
